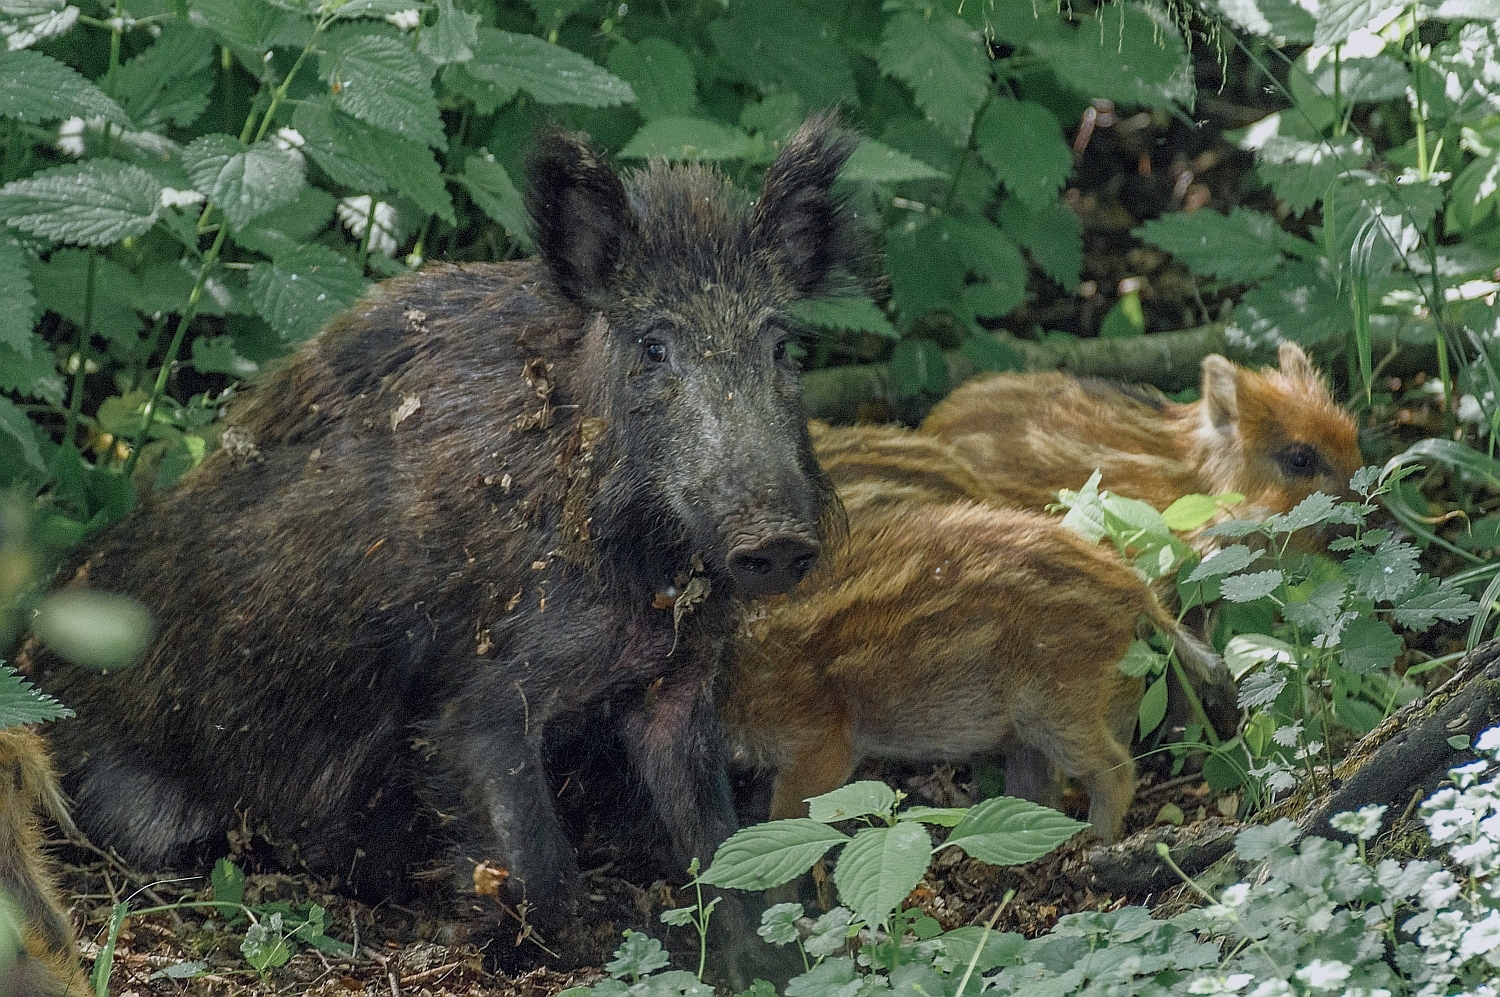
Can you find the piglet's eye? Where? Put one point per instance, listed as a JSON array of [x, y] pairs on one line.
[[1300, 460], [656, 352], [778, 353]]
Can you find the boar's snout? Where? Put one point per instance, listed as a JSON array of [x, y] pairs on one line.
[[768, 565]]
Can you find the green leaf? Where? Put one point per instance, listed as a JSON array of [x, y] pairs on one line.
[[94, 629], [297, 293], [1190, 512], [1024, 144], [829, 978], [944, 62], [858, 799], [1153, 708], [1053, 236], [371, 160], [918, 365], [1141, 660], [941, 816], [1280, 21], [880, 867], [170, 81], [1261, 688], [996, 948], [1336, 20], [19, 313], [1475, 195], [687, 138], [1429, 601], [454, 36], [1224, 561], [660, 74], [1385, 573], [1248, 588], [858, 314], [21, 703], [246, 24], [264, 947], [778, 924], [779, 46], [380, 81], [1300, 171], [36, 88], [33, 375], [116, 293], [1135, 56], [1299, 303], [229, 887], [94, 203], [988, 352], [1008, 831], [877, 163], [550, 73], [23, 23], [244, 182], [925, 267], [638, 955], [1239, 247], [766, 855], [1367, 645], [775, 117], [1125, 319], [490, 187], [217, 355], [1315, 509]]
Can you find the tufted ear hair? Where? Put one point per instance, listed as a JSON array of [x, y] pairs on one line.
[[1295, 363], [580, 216], [798, 216], [1220, 390]]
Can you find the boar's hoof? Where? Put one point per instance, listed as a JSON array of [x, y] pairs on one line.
[[771, 564]]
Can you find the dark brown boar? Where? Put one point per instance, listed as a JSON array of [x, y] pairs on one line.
[[443, 532], [1274, 436], [45, 963]]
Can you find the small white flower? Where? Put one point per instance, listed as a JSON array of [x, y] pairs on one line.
[[288, 138], [1324, 974], [1220, 984], [172, 198], [1469, 410], [70, 137], [1364, 824], [1482, 937], [1467, 775], [1272, 988], [405, 19], [1489, 740], [354, 212], [1235, 895]]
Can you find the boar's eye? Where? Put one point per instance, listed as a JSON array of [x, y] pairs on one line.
[[1300, 460], [778, 352], [655, 350]]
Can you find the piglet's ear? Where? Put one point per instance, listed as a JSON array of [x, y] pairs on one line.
[[798, 217], [1221, 382], [1294, 363], [580, 217]]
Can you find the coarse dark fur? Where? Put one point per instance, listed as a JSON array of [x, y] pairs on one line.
[[449, 529]]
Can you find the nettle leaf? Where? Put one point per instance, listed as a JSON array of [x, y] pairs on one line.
[[660, 74], [1367, 645], [687, 138], [1300, 171], [858, 799], [858, 314], [491, 188], [1008, 831], [1224, 561], [778, 47], [1385, 573], [1475, 196], [244, 182], [374, 8], [1281, 21], [248, 24], [1135, 56], [371, 159], [38, 88], [944, 62], [19, 313], [1429, 601], [1323, 611], [1025, 146], [1299, 303], [1141, 660], [996, 948], [766, 855], [378, 80], [550, 73], [297, 293], [170, 81], [880, 866], [22, 703], [1316, 508], [94, 203], [1261, 688], [1336, 20], [829, 978], [778, 923], [452, 38], [1053, 236], [1240, 246], [23, 23], [878, 163], [1248, 588]]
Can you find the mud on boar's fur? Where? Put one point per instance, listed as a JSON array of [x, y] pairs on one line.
[[1274, 436], [944, 629], [448, 529], [43, 962]]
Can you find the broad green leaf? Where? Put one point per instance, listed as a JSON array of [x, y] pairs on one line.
[[1249, 651], [1190, 512], [989, 254], [1247, 588], [1367, 644], [1300, 170], [297, 293], [989, 352], [778, 924], [170, 81], [245, 182], [1261, 688], [550, 73], [1475, 195], [660, 74], [1153, 708], [281, 231], [454, 36], [264, 947], [36, 87], [217, 355], [687, 138], [19, 313], [941, 816], [228, 882], [1053, 236], [555, 11], [1385, 573], [925, 267], [371, 160], [859, 314], [1241, 246], [248, 24], [375, 8], [765, 855], [94, 629], [487, 95], [879, 163], [490, 187], [944, 62], [1141, 660], [834, 977], [93, 203], [917, 366], [1362, 81], [1008, 831], [999, 948], [880, 867], [776, 116], [779, 46], [1280, 21], [1323, 610], [1133, 515], [21, 703], [31, 374], [116, 292], [380, 81], [1315, 509], [1336, 20], [23, 23], [1430, 601], [1224, 561], [1299, 303], [20, 436], [1024, 144], [1135, 56], [858, 799], [637, 955]]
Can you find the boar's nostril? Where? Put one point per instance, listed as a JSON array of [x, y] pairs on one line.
[[771, 564]]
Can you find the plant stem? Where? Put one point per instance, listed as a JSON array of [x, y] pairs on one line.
[[364, 244], [80, 346]]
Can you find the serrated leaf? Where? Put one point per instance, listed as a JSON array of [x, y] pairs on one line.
[[829, 978], [217, 355], [1136, 56], [22, 703], [859, 314], [1367, 645], [264, 947], [31, 375], [491, 188], [1281, 21], [996, 948], [858, 799], [1385, 573], [170, 81], [1323, 611], [778, 924], [94, 629], [1224, 561], [1241, 246], [944, 62], [297, 293], [1299, 303], [1053, 236], [941, 816], [878, 163], [375, 8], [687, 138], [116, 291], [766, 855], [1024, 144], [19, 313], [1190, 512], [248, 24], [452, 38], [1315, 509], [1336, 20], [1141, 660], [228, 882], [638, 955], [370, 159], [244, 182], [1301, 172], [550, 73], [380, 81], [660, 74], [880, 866], [1475, 195], [1008, 831], [779, 47], [1248, 588], [94, 203], [1233, 528], [23, 23], [1429, 601], [36, 88], [1261, 688]]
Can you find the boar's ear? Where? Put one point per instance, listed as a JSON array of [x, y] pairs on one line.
[[1294, 363], [580, 217], [1221, 382], [798, 216]]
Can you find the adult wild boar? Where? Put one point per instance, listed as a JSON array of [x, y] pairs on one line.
[[451, 522]]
